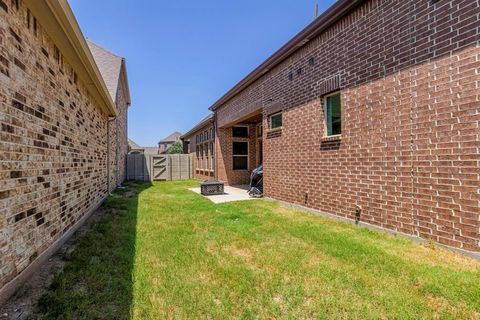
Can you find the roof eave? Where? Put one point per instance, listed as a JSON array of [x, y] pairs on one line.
[[325, 20], [198, 126], [57, 18], [124, 76]]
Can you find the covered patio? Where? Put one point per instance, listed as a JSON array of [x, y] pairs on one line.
[[240, 149]]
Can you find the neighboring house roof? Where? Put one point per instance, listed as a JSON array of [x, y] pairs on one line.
[[338, 10], [172, 138], [150, 150], [133, 145], [208, 119], [57, 18], [146, 150], [112, 68]]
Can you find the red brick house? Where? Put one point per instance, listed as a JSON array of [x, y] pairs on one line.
[[199, 143], [372, 113]]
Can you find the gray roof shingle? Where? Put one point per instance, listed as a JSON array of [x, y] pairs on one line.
[[110, 66], [133, 144]]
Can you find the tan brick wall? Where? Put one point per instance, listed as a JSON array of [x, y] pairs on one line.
[[53, 145], [410, 147], [122, 134], [118, 141]]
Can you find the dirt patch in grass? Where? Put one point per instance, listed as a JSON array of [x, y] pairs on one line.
[[24, 303], [242, 253]]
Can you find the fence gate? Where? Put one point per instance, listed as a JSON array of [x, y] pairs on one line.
[[159, 167]]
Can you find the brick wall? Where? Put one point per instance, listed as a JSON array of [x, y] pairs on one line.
[[408, 158], [225, 155], [120, 139], [193, 146], [53, 144]]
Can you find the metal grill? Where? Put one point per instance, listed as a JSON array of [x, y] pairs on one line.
[[212, 187]]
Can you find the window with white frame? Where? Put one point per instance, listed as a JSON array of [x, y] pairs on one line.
[[207, 164], [197, 164], [240, 155], [333, 114], [212, 157]]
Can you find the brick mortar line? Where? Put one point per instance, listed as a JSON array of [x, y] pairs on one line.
[[11, 287]]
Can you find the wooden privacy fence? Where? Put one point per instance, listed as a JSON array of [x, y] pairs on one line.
[[159, 167]]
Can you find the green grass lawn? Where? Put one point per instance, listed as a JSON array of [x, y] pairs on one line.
[[162, 251]]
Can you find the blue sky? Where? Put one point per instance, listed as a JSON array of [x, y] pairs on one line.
[[184, 55]]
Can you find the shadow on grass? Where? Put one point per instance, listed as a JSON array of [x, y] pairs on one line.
[[97, 280]]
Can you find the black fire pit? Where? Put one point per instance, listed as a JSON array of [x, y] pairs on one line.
[[211, 187]]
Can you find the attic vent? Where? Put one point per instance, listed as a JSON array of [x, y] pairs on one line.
[[35, 26], [4, 6], [45, 52], [15, 35]]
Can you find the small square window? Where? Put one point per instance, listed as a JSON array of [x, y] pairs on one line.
[[333, 114], [240, 132], [276, 120]]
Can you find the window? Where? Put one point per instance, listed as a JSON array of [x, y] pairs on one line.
[[240, 155], [333, 114], [240, 132], [212, 157], [198, 159], [276, 120], [207, 158]]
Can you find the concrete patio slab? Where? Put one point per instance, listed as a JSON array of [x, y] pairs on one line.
[[236, 193]]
